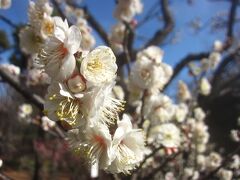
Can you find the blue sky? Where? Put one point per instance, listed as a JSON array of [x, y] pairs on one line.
[[183, 13]]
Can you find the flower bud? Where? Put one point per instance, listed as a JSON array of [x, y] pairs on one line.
[[76, 84]]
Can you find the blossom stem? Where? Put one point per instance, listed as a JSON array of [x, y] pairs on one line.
[[147, 157]]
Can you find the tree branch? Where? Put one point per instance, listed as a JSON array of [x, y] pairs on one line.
[[231, 19], [147, 157], [59, 10], [96, 26], [154, 171], [7, 21], [161, 34], [89, 17], [185, 61], [33, 98]]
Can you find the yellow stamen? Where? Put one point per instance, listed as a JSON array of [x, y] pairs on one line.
[[94, 65]]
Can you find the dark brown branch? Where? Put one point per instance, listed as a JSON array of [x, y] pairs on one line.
[[221, 67], [130, 40], [185, 61], [89, 17], [150, 14], [140, 124], [147, 157], [231, 19], [121, 58], [7, 21], [59, 10], [126, 49], [96, 26], [161, 166], [161, 34], [33, 98]]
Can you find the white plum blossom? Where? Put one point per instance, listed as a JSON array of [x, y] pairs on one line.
[[37, 77], [200, 136], [25, 110], [41, 26], [201, 161], [211, 62], [117, 37], [189, 172], [152, 53], [99, 141], [181, 111], [86, 96], [199, 114], [148, 72], [36, 12], [62, 105], [76, 83], [235, 163], [47, 26], [183, 92], [225, 174], [169, 176], [144, 74], [235, 135], [88, 40], [159, 108], [218, 46], [128, 147], [214, 59], [11, 69], [95, 142], [5, 4], [127, 9], [166, 134], [47, 123], [213, 160], [30, 42], [147, 75], [99, 66], [205, 87], [99, 105], [57, 56], [85, 106], [118, 92]]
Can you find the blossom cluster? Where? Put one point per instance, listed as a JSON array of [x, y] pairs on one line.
[[80, 95], [125, 12], [85, 98]]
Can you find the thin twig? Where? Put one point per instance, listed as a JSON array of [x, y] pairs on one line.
[[92, 21], [161, 34], [147, 157], [8, 21], [96, 26], [151, 13], [161, 166], [59, 10], [231, 19], [185, 61], [142, 109], [126, 49]]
